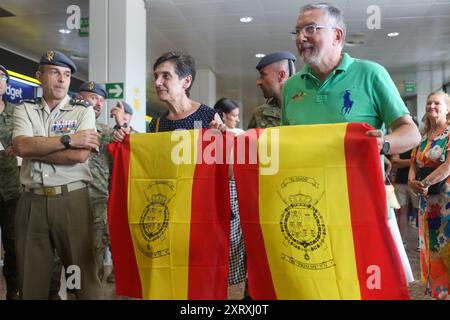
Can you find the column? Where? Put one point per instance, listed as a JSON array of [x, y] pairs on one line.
[[117, 52]]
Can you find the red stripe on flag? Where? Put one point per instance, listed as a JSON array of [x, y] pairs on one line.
[[376, 255], [260, 282], [128, 282], [210, 229]]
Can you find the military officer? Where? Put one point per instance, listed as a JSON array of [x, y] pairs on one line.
[[100, 165], [274, 70], [55, 136], [9, 188]]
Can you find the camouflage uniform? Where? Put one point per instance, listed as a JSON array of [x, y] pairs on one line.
[[9, 194], [100, 166], [266, 115]]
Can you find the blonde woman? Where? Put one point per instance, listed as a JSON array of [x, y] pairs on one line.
[[428, 177]]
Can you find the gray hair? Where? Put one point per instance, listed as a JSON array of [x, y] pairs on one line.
[[331, 11]]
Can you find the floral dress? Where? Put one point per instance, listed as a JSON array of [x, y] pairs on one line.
[[434, 216]]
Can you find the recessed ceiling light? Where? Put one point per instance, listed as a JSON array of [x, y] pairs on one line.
[[393, 34], [246, 19], [260, 55], [65, 31]]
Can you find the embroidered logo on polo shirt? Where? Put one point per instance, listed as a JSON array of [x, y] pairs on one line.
[[348, 103]]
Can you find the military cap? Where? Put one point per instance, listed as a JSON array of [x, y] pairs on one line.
[[275, 57], [128, 109], [57, 58], [91, 86], [5, 71]]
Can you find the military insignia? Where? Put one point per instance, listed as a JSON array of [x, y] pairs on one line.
[[50, 56], [91, 85], [79, 102], [303, 226], [298, 96], [64, 126], [154, 220]]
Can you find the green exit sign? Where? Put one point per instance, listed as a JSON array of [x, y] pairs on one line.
[[84, 27], [410, 87]]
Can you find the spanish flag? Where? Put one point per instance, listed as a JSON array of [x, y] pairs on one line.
[[314, 218], [169, 217]]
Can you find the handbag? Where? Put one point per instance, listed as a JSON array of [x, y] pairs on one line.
[[436, 188]]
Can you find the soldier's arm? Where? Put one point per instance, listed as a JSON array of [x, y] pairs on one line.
[[35, 147], [65, 157]]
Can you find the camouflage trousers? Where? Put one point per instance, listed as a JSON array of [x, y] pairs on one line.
[[7, 214], [101, 235]]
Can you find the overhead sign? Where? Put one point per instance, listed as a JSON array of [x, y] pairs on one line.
[[114, 90], [410, 86], [20, 87], [84, 27]]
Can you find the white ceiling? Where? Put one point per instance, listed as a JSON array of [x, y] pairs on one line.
[[210, 31]]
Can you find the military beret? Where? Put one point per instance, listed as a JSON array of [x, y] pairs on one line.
[[5, 71], [57, 58], [91, 86], [275, 57], [128, 109]]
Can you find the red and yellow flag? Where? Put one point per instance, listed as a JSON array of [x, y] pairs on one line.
[[169, 218], [316, 227]]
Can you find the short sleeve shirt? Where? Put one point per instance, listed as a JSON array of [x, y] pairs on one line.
[[356, 91], [37, 120]]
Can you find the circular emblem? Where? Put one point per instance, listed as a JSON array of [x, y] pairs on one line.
[[303, 228], [154, 221]]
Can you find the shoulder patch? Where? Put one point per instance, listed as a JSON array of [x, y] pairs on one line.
[[79, 102]]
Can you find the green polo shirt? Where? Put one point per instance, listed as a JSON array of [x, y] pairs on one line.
[[356, 91]]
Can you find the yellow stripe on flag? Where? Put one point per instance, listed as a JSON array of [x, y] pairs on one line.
[[163, 262], [300, 207]]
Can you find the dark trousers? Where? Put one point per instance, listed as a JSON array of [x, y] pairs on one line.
[[62, 222], [7, 214]]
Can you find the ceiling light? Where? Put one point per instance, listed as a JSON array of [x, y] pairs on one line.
[[393, 34], [246, 19], [65, 31], [260, 55]]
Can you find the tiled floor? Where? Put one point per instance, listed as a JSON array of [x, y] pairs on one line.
[[236, 292]]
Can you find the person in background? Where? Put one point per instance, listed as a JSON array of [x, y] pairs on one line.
[[274, 69], [10, 188], [100, 165], [229, 111], [406, 198], [429, 178]]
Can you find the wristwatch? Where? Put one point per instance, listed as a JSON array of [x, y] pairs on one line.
[[125, 125], [65, 140], [386, 147]]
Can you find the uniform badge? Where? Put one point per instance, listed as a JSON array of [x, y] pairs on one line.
[[91, 85], [298, 96], [50, 56], [64, 126], [303, 226], [154, 220]]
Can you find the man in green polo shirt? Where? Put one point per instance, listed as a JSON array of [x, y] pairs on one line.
[[333, 87]]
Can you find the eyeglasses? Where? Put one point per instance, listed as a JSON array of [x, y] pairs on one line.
[[309, 29], [3, 77]]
